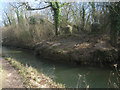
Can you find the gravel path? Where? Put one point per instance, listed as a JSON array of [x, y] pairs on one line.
[[10, 77]]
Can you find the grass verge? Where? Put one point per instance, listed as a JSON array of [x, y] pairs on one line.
[[31, 78]]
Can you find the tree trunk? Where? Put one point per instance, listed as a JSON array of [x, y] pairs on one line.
[[83, 17], [56, 30], [113, 37], [114, 23]]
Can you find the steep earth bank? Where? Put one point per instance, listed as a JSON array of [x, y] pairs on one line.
[[89, 49]]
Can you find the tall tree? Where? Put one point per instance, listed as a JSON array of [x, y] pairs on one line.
[[9, 20], [19, 13], [83, 17], [94, 18], [115, 22], [56, 8]]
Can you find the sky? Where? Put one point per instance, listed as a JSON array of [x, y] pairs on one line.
[[3, 5]]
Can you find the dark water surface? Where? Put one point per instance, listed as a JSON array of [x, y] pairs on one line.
[[67, 74]]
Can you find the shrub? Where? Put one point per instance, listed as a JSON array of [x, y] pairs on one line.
[[32, 20], [95, 27]]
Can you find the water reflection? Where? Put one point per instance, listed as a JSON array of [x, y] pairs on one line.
[[70, 75]]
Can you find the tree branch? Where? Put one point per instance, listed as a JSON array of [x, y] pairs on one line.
[[15, 6], [29, 8], [64, 4]]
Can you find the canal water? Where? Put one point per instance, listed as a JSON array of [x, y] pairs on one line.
[[71, 75]]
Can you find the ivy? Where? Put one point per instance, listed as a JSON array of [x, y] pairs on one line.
[[115, 22], [56, 7], [115, 15]]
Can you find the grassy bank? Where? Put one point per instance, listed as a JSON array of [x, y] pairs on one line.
[[31, 78]]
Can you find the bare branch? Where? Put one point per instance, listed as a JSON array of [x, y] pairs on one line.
[[29, 8], [15, 6]]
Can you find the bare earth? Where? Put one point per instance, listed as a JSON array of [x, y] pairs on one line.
[[10, 77]]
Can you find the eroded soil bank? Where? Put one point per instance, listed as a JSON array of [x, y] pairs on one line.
[[83, 49], [89, 49]]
